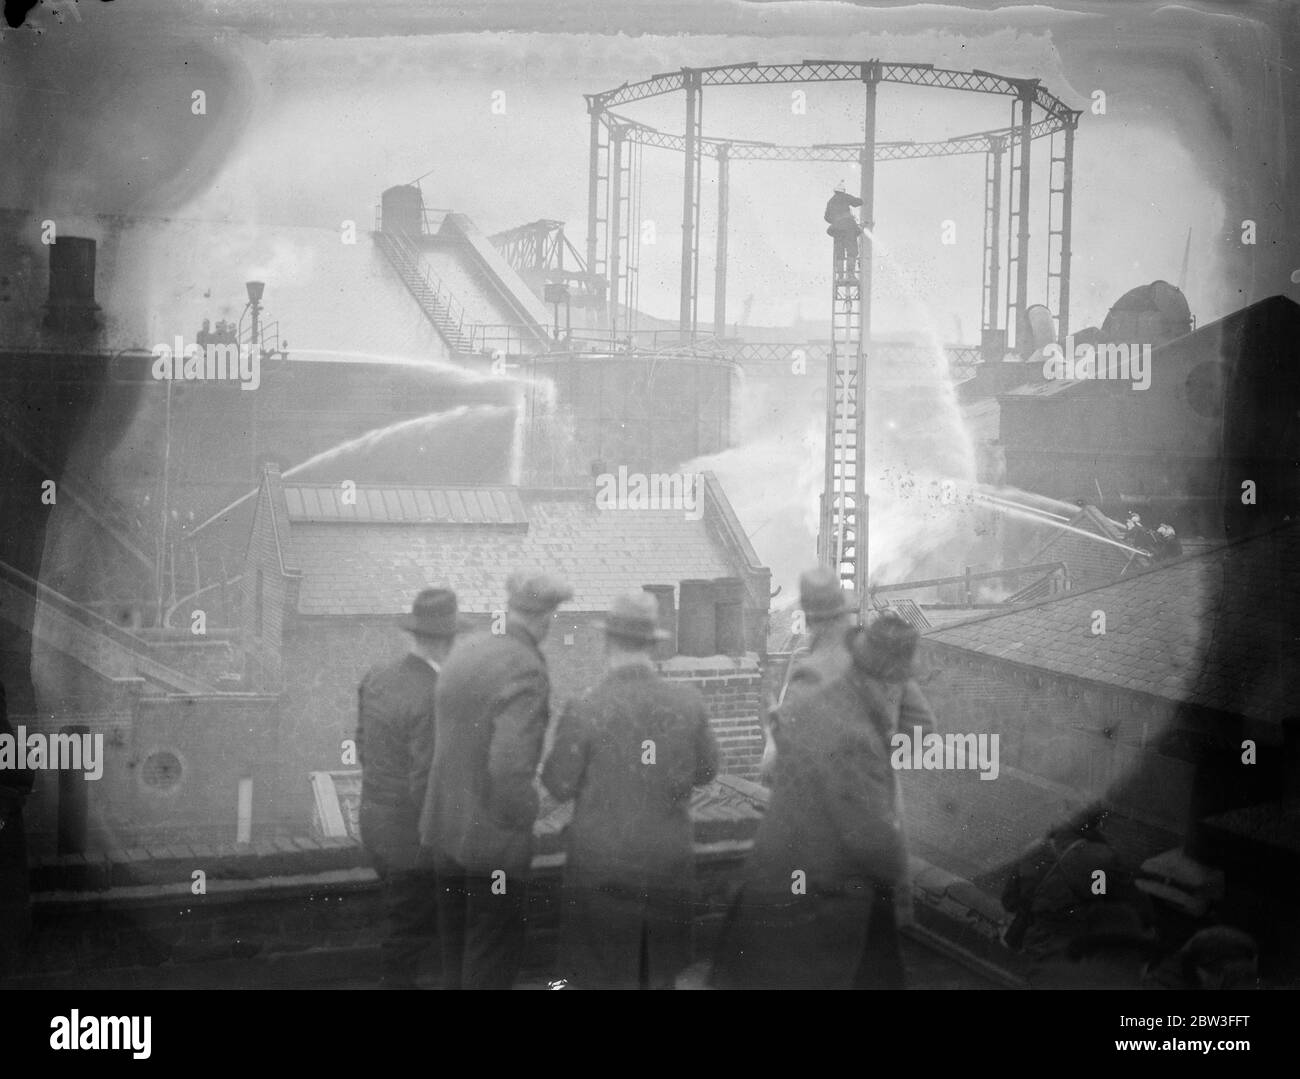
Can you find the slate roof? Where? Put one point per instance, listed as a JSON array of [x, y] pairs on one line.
[[376, 567], [1218, 630], [325, 502]]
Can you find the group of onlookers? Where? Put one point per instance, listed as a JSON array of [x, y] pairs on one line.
[[452, 739], [456, 741]]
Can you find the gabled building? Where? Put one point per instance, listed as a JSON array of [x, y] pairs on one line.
[[327, 576]]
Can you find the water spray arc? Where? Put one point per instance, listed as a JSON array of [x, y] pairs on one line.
[[365, 442]]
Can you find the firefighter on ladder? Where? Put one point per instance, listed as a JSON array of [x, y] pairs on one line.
[[844, 228]]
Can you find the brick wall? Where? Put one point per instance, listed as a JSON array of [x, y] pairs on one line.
[[171, 769], [1090, 562], [733, 692], [1088, 739], [324, 660]]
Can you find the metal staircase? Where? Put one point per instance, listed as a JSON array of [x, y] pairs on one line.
[[434, 298], [844, 500]]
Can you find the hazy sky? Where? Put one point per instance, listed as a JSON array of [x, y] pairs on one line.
[[308, 130], [313, 108]]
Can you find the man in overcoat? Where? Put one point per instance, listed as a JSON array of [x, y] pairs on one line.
[[395, 740], [829, 615], [816, 905], [493, 706], [629, 753]]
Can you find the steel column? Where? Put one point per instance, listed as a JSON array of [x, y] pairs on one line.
[[720, 261], [593, 185], [993, 239], [1063, 316], [615, 225], [686, 312], [1025, 137]]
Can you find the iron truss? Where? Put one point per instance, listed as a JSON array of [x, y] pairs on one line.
[[979, 142], [755, 74], [616, 141]]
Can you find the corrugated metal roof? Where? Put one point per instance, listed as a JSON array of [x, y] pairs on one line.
[[325, 502]]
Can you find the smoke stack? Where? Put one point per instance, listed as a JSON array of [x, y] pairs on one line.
[[697, 633], [71, 307], [729, 615], [401, 209], [664, 595]]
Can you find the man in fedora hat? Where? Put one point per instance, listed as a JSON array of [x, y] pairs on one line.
[[628, 753], [834, 820], [395, 740], [829, 614], [493, 706]]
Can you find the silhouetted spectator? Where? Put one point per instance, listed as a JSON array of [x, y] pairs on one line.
[[829, 613], [395, 741], [816, 907], [493, 706], [628, 753]]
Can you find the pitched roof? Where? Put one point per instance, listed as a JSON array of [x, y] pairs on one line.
[[326, 502], [375, 567], [1216, 629]]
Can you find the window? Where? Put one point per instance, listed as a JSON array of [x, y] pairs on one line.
[[162, 771]]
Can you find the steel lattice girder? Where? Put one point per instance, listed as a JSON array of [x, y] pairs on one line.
[[847, 152], [754, 74]]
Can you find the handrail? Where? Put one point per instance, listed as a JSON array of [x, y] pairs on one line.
[[65, 605], [406, 248], [269, 331], [506, 337]]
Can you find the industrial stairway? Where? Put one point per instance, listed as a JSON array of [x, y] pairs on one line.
[[435, 300], [89, 639], [844, 500], [39, 444]]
